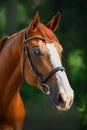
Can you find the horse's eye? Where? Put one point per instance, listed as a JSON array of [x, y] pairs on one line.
[[36, 51]]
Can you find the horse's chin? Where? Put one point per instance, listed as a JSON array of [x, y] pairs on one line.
[[62, 108]]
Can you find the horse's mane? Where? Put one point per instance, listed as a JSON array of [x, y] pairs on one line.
[[3, 40], [15, 34]]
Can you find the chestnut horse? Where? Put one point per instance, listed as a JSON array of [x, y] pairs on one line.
[[33, 55]]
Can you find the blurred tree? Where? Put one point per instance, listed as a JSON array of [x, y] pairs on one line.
[[11, 16], [2, 21]]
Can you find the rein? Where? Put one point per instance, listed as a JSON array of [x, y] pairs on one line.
[[43, 80]]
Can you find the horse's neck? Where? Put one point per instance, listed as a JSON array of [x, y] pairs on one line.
[[10, 70]]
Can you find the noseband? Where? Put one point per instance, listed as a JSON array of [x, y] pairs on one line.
[[43, 80]]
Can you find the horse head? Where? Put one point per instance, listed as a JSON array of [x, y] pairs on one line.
[[42, 65]]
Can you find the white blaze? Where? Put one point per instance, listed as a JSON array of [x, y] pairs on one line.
[[63, 83]]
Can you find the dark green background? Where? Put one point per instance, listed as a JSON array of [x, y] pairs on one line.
[[15, 15]]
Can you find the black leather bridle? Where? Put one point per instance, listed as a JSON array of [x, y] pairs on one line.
[[43, 80]]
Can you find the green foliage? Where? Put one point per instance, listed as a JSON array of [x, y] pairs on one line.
[[2, 21], [83, 109], [77, 73], [77, 65], [21, 17], [22, 13]]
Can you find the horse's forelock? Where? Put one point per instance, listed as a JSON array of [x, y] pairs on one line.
[[45, 32]]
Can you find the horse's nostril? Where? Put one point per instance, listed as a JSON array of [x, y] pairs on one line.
[[61, 100]]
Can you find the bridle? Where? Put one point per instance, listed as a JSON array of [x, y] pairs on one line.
[[43, 80]]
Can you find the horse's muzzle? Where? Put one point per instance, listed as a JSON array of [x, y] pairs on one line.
[[63, 102], [61, 98]]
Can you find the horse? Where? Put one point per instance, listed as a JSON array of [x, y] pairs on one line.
[[34, 55]]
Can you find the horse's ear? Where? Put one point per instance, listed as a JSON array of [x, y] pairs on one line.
[[34, 22], [54, 22]]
